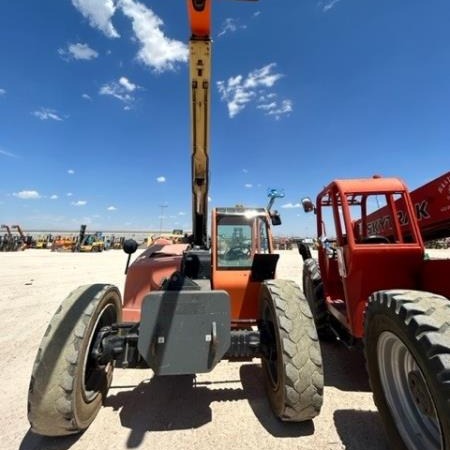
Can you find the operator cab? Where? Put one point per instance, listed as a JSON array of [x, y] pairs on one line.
[[242, 256], [375, 244], [240, 235]]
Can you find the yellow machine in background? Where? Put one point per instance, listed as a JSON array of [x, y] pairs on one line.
[[91, 243], [175, 237]]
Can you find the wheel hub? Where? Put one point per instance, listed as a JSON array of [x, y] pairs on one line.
[[420, 394], [407, 394]]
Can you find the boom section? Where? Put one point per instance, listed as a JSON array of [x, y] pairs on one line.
[[200, 80]]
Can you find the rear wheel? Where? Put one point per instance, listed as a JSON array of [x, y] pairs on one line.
[[292, 361], [407, 349], [67, 387]]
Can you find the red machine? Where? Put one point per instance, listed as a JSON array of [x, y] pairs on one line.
[[432, 210], [373, 285]]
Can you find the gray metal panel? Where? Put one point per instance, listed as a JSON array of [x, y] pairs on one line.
[[184, 332]]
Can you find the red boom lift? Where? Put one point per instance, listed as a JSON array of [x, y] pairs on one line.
[[372, 285]]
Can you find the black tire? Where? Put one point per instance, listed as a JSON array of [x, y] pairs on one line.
[[292, 361], [313, 290], [66, 388], [304, 250], [407, 350]]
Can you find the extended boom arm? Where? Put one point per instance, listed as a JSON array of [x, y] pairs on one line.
[[200, 78]]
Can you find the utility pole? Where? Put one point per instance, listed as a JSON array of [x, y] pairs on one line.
[[161, 217]]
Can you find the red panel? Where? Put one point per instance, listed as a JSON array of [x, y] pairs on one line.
[[432, 206], [435, 277], [377, 268], [146, 274]]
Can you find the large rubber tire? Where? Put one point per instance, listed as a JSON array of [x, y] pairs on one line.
[[313, 290], [304, 250], [292, 363], [66, 388], [407, 349]]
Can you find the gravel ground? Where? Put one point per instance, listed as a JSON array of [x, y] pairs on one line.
[[227, 408]]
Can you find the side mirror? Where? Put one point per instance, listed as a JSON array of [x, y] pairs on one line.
[[275, 218], [308, 205]]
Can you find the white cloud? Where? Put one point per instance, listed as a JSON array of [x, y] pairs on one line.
[[2, 92], [79, 203], [266, 97], [27, 195], [157, 50], [230, 25], [47, 114], [127, 84], [181, 213], [120, 90], [69, 194], [53, 197], [71, 171], [111, 208], [99, 14], [238, 91], [161, 179], [256, 14], [248, 185], [86, 97], [77, 51], [276, 109], [328, 5], [9, 154], [291, 205]]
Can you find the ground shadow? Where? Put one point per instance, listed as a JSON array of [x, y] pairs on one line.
[[167, 403], [32, 441], [344, 368], [252, 379], [360, 430]]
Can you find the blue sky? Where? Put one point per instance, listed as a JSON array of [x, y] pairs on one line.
[[94, 105]]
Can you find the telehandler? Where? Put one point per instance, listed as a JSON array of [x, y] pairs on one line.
[[372, 285], [7, 240], [10, 242], [186, 306]]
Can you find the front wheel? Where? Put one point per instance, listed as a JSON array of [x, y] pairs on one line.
[[292, 360], [407, 349], [67, 386], [313, 290]]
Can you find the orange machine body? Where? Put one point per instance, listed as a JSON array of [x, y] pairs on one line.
[[158, 262], [200, 18]]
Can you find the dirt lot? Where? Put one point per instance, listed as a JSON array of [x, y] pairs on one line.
[[227, 408]]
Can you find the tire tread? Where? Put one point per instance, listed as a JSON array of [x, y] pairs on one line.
[[301, 352], [51, 410], [425, 318]]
